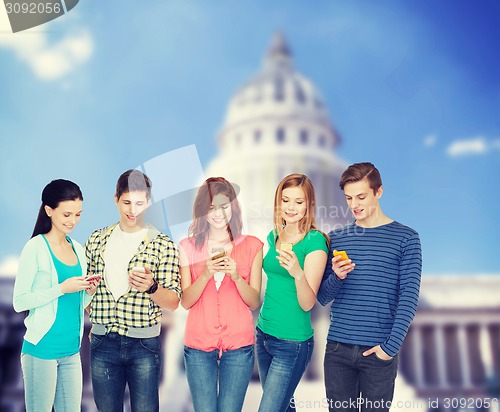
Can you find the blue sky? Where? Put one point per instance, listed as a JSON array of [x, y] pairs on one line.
[[412, 86]]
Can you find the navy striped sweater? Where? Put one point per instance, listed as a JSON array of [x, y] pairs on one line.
[[376, 302]]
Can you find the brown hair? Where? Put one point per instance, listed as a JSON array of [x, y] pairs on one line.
[[308, 222], [360, 171], [133, 181], [209, 189]]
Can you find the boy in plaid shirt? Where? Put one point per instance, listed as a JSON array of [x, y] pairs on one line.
[[139, 271]]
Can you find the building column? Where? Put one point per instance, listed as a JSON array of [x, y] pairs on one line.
[[463, 346], [485, 350], [441, 356], [417, 355]]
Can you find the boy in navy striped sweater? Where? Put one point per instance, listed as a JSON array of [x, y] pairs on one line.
[[374, 293]]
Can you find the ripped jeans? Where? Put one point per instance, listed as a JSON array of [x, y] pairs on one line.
[[117, 360]]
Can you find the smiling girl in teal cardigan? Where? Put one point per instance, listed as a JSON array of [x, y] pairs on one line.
[[51, 287]]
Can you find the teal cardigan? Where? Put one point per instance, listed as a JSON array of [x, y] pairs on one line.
[[37, 290]]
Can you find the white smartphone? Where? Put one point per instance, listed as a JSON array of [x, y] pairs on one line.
[[140, 269]]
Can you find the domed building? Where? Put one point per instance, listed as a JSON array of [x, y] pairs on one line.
[[278, 124]]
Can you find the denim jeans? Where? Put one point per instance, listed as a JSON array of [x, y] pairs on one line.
[[281, 365], [352, 379], [116, 360], [219, 384], [50, 383]]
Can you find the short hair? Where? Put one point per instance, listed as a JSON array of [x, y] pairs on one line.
[[133, 181], [360, 171]]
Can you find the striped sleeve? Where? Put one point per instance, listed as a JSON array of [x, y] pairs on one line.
[[410, 270], [330, 285]]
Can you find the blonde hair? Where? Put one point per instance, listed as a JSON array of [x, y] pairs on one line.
[[307, 223]]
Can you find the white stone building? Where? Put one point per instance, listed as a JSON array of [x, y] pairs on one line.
[[277, 124]]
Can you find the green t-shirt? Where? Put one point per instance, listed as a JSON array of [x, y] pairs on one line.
[[281, 315]]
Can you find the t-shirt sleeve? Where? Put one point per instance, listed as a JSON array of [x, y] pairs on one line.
[[271, 239], [316, 241]]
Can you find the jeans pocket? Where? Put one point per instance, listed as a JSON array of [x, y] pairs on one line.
[[96, 341], [151, 344], [382, 360], [192, 353], [332, 347], [247, 349]]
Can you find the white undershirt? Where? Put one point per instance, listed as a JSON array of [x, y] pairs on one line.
[[120, 250]]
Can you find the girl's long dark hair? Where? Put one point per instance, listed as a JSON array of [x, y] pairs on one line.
[[54, 193], [208, 190]]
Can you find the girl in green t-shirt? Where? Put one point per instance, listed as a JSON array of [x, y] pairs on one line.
[[294, 266]]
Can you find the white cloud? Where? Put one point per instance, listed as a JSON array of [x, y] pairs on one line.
[[47, 60], [430, 140], [474, 146], [8, 267], [56, 61]]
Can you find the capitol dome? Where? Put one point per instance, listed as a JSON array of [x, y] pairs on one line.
[[277, 124], [278, 93]]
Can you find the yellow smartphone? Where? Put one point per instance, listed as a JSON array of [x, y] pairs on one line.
[[286, 246], [342, 253]]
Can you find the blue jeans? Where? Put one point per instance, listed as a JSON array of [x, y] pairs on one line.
[[281, 365], [116, 360], [352, 379], [219, 384], [50, 383]]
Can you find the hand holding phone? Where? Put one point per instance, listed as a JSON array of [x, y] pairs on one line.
[[92, 278], [218, 252], [140, 278], [342, 253], [343, 266]]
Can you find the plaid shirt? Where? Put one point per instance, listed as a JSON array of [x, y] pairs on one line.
[[134, 309]]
